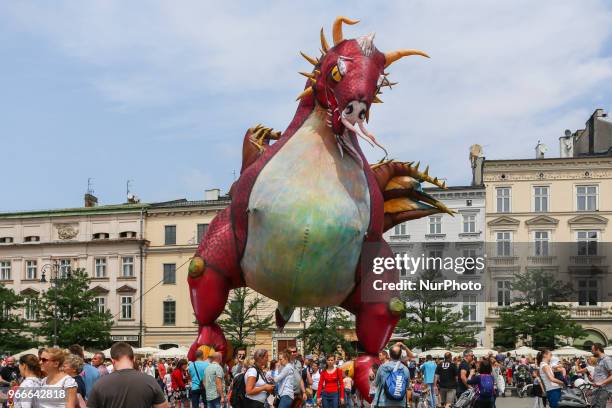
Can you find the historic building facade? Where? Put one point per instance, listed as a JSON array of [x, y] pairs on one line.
[[107, 241], [553, 214], [442, 235]]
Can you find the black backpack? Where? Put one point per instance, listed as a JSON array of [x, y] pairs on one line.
[[238, 388]]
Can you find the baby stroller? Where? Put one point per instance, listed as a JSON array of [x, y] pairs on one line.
[[577, 397], [522, 379], [466, 400]]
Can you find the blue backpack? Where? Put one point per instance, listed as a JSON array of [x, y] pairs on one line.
[[486, 388], [396, 383]]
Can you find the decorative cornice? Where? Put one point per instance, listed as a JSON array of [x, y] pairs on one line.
[[587, 219], [99, 290], [503, 221], [126, 289], [542, 220]]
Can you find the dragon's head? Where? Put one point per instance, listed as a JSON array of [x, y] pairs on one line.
[[347, 78]]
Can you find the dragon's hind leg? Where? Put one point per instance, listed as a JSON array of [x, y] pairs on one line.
[[213, 271]]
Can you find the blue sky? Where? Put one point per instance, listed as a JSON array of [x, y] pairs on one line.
[[162, 92]]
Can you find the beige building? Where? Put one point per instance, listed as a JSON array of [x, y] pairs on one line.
[[107, 241], [553, 214]]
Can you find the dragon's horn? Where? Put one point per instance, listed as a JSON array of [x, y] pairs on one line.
[[337, 28], [313, 61], [391, 57], [324, 44], [306, 92]]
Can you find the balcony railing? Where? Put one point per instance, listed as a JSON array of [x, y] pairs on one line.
[[503, 260], [541, 260], [586, 260], [588, 312]]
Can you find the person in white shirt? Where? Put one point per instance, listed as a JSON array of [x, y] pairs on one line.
[[257, 388], [29, 368], [52, 360]]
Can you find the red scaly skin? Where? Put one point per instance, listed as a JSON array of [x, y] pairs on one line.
[[223, 246]]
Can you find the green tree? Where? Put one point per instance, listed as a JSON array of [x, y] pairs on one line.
[[70, 308], [431, 320], [13, 328], [324, 327], [535, 317], [240, 320]]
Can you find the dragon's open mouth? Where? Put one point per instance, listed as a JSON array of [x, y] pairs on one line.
[[354, 114]]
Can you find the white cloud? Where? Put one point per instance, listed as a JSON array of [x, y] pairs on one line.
[[502, 74]]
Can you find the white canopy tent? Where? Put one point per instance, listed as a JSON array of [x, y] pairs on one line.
[[524, 351], [434, 352], [568, 351], [483, 351], [28, 351], [147, 351], [174, 352]]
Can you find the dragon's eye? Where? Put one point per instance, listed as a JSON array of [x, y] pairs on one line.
[[338, 71]]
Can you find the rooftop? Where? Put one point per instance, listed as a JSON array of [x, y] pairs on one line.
[[63, 212]]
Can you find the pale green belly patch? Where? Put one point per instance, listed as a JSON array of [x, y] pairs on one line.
[[309, 211]]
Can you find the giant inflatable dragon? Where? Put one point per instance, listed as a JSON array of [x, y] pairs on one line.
[[307, 205]]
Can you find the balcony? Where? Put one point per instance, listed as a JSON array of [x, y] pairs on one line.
[[399, 238], [542, 260], [502, 261], [590, 312], [587, 260]]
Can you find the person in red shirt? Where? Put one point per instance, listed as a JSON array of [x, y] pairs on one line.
[[179, 391], [331, 386]]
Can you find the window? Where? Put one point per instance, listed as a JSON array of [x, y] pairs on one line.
[[435, 225], [170, 235], [540, 199], [503, 199], [470, 254], [100, 267], [469, 308], [403, 271], [587, 292], [586, 197], [587, 242], [541, 243], [503, 293], [400, 229], [126, 307], [64, 268], [5, 270], [169, 312], [127, 234], [127, 266], [30, 311], [469, 223], [202, 228], [101, 235], [504, 243], [32, 238], [6, 240], [31, 270], [169, 274], [101, 301], [434, 261]]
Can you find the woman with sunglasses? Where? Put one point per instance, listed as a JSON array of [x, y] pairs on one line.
[[57, 383]]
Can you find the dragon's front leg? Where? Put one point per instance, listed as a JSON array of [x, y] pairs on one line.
[[213, 271], [377, 311], [405, 200]]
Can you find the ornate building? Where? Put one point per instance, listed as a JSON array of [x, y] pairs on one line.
[[107, 241], [553, 214]]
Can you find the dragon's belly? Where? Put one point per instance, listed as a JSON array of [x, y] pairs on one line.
[[309, 211]]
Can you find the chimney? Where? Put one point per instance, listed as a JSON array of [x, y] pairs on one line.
[[540, 149], [90, 200], [212, 194]]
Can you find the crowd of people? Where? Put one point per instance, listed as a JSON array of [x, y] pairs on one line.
[[398, 379]]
